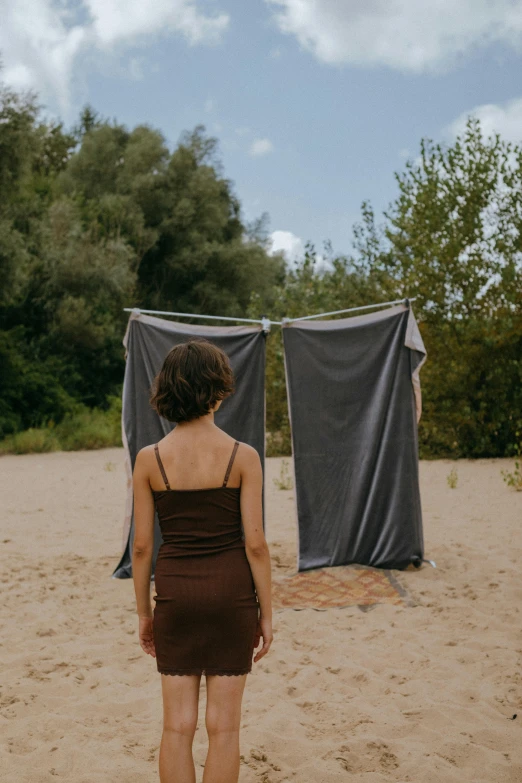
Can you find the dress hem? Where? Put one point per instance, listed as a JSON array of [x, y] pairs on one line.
[[208, 671]]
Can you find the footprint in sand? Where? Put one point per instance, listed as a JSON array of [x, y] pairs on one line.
[[372, 757]]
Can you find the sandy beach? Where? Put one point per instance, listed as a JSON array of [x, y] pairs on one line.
[[424, 693]]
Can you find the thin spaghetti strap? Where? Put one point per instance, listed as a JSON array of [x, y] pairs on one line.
[[229, 468], [160, 463]]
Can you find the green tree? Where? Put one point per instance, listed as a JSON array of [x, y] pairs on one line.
[[92, 221], [204, 258], [31, 154], [452, 238]]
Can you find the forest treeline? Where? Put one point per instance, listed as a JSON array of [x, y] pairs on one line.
[[99, 217]]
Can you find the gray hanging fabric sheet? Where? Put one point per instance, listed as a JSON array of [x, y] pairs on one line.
[[354, 400], [242, 415]]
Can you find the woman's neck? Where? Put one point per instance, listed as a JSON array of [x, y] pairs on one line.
[[202, 424]]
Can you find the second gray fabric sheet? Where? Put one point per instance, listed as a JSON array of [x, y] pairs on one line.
[[354, 400]]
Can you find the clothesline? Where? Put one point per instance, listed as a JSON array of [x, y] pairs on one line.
[[348, 310], [266, 322]]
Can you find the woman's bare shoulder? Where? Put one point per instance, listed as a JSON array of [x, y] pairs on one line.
[[145, 456], [244, 451], [145, 451], [248, 455]]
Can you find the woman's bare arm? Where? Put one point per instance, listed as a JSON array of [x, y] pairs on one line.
[[143, 545], [256, 546]]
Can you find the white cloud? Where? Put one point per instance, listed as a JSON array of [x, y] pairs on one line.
[[117, 20], [287, 243], [261, 147], [40, 40], [38, 46], [505, 119], [407, 35], [293, 249]]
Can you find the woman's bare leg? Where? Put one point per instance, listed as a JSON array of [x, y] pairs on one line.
[[223, 721], [180, 717]]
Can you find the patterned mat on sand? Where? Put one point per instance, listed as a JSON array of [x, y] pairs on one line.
[[337, 587]]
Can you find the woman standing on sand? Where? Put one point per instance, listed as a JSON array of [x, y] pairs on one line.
[[213, 594]]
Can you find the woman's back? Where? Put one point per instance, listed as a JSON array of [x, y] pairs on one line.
[[199, 520], [197, 460]]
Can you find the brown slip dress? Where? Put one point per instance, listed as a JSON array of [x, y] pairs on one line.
[[206, 609]]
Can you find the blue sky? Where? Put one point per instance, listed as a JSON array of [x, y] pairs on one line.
[[315, 103]]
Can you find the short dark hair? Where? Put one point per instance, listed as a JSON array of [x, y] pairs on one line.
[[194, 376]]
